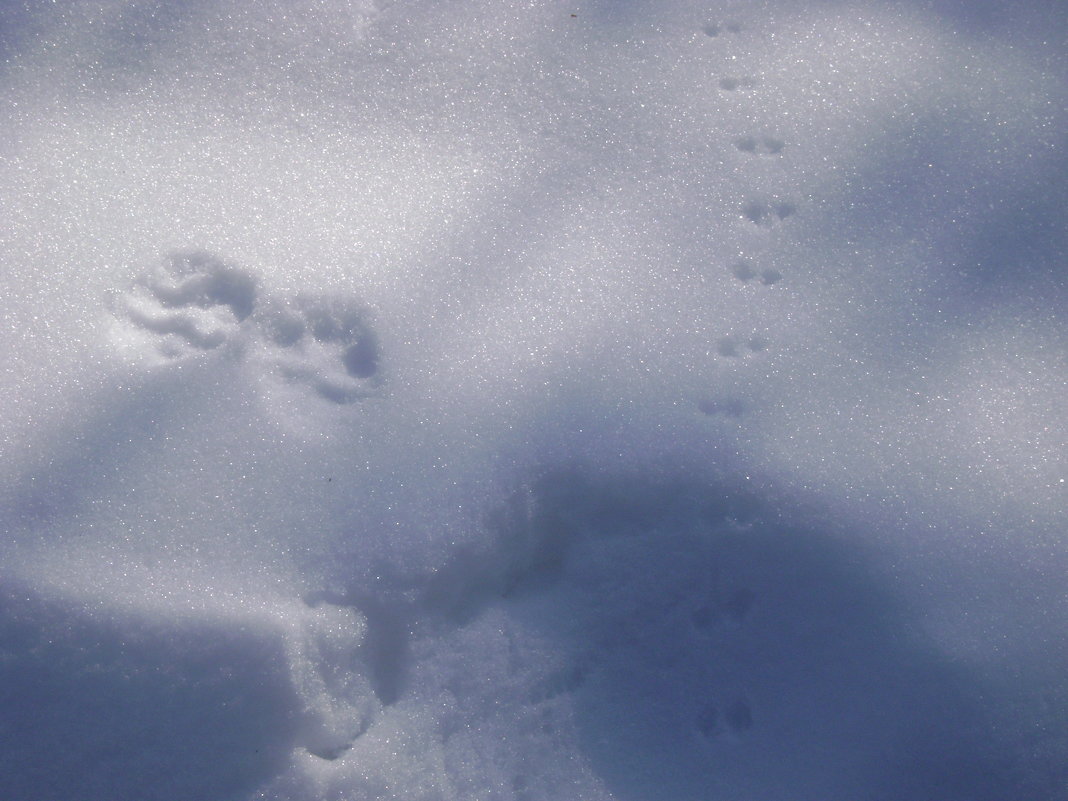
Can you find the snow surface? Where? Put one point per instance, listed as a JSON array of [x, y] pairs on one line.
[[653, 400]]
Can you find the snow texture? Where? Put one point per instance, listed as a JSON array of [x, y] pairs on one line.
[[635, 399]]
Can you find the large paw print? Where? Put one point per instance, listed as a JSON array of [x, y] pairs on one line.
[[324, 346], [190, 303]]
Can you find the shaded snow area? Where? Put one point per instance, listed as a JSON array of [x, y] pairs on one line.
[[649, 400]]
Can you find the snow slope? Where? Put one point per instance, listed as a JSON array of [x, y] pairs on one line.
[[533, 400]]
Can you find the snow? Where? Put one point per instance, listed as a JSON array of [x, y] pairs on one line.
[[533, 401]]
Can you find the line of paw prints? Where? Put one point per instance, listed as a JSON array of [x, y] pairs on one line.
[[717, 30], [193, 303], [768, 212], [735, 717], [758, 212]]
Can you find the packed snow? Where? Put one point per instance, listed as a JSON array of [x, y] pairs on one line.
[[650, 400]]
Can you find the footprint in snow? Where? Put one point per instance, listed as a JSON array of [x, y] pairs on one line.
[[715, 29], [732, 83], [732, 408], [193, 303], [734, 719], [760, 145], [322, 346], [745, 272], [766, 214], [188, 304], [733, 348]]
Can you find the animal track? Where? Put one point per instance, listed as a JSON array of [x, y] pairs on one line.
[[739, 716], [744, 272], [733, 348], [562, 682], [190, 303], [738, 604], [733, 607], [193, 302], [766, 214], [732, 83], [714, 29], [340, 703], [736, 718], [730, 407], [325, 345], [708, 720], [760, 146]]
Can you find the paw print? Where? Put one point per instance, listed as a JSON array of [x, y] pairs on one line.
[[190, 303]]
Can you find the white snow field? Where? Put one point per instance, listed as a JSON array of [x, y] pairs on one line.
[[530, 400]]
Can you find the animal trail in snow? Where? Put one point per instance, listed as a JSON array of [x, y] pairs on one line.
[[190, 303]]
